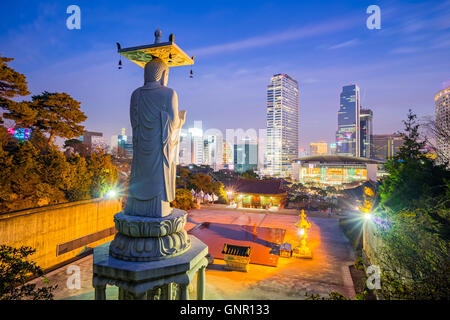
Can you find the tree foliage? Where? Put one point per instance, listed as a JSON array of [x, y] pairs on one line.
[[12, 84], [415, 200], [249, 175], [183, 200], [35, 172], [15, 270]]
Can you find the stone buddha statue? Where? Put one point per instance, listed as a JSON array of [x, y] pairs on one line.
[[156, 124], [149, 229]]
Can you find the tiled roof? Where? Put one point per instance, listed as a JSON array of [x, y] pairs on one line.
[[256, 186]]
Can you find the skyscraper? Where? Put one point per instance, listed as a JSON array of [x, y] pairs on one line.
[[348, 132], [366, 133], [212, 151], [196, 135], [386, 146], [185, 157], [282, 124], [442, 102], [245, 156]]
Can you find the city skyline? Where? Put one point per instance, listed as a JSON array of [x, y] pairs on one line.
[[326, 50]]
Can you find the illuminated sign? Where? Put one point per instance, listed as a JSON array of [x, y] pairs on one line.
[[20, 133]]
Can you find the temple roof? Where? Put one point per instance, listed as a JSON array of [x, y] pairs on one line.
[[333, 158], [256, 186]]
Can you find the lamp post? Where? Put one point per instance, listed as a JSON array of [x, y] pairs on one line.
[[301, 250]]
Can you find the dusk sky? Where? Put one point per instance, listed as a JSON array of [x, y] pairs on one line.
[[238, 46]]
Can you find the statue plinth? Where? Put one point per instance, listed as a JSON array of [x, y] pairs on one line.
[[166, 279], [142, 238]]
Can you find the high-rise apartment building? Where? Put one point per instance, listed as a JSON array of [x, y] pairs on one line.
[[246, 156], [197, 143], [348, 132], [185, 147], [442, 103], [212, 151], [282, 124], [366, 132], [227, 156], [385, 146]]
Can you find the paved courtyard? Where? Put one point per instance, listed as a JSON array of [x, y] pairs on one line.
[[327, 271]]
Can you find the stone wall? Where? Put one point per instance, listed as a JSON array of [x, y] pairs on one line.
[[371, 242], [60, 232]]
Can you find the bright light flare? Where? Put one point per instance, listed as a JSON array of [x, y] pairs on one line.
[[367, 216], [111, 194]]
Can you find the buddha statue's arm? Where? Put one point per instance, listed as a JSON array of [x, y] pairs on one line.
[[134, 109], [179, 117]]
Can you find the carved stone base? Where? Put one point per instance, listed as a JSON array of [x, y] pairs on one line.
[[149, 249], [142, 238]]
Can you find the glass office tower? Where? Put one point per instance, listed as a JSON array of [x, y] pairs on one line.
[[366, 133], [348, 132], [282, 125]]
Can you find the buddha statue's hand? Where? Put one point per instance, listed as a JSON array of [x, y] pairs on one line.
[[182, 116]]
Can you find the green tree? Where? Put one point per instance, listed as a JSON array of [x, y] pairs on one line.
[[415, 202], [77, 146], [78, 183], [183, 200], [201, 181], [58, 115], [12, 84], [104, 174], [250, 175], [183, 177], [15, 270]]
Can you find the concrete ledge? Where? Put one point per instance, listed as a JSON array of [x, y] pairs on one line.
[[106, 266]]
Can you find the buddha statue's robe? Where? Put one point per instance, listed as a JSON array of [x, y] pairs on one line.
[[156, 126]]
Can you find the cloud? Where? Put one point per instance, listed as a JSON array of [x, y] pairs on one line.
[[405, 50], [348, 43], [273, 38]]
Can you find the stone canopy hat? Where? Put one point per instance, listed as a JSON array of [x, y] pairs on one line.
[[168, 52]]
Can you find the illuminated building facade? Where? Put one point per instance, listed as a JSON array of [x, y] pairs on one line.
[[260, 194], [335, 169], [20, 134], [366, 132], [442, 102], [282, 125], [125, 144], [348, 132], [332, 148], [385, 146], [227, 156], [317, 148]]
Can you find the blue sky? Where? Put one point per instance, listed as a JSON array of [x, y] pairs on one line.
[[238, 46]]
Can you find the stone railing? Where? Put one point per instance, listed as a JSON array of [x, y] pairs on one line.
[[60, 232]]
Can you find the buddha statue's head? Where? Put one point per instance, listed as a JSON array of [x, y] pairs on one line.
[[156, 70]]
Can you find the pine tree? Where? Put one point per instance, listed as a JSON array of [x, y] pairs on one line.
[[12, 84]]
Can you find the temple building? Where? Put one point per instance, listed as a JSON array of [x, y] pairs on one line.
[[259, 194], [335, 169]]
